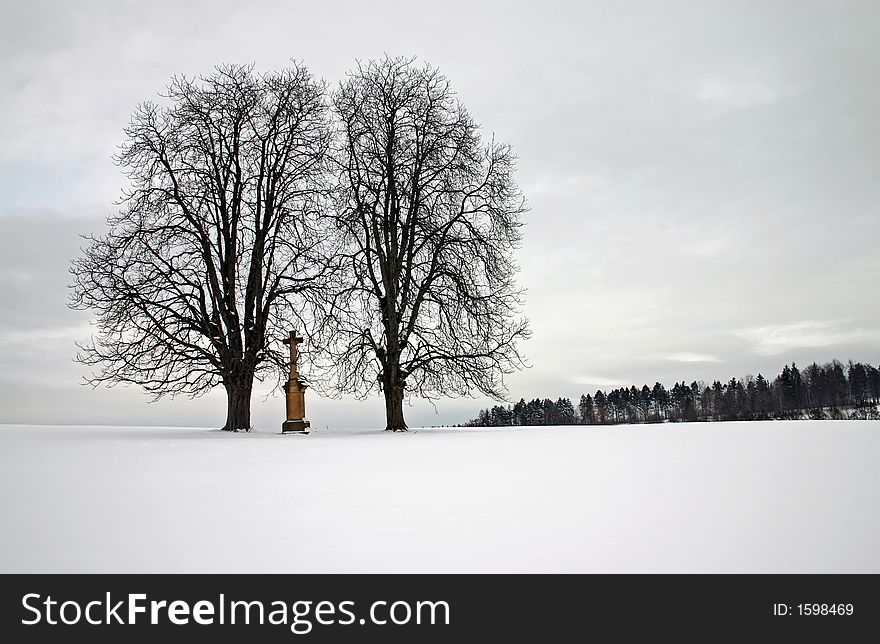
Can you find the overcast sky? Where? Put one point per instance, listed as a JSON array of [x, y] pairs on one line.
[[703, 177]]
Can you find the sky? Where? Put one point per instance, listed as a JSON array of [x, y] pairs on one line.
[[703, 178]]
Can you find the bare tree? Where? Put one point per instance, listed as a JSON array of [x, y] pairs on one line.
[[215, 249], [430, 216]]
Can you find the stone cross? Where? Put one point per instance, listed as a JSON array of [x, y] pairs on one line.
[[295, 389], [293, 341]]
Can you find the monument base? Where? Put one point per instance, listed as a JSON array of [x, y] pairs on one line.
[[300, 426]]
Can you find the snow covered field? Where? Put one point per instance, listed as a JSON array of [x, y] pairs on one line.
[[800, 496]]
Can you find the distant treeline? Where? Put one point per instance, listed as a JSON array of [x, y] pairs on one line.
[[833, 390]]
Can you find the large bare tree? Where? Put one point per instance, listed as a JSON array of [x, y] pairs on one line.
[[430, 216], [215, 251]]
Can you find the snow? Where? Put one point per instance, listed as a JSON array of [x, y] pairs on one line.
[[799, 496]]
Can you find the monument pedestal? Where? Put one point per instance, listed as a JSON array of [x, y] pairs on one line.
[[295, 390], [300, 426]]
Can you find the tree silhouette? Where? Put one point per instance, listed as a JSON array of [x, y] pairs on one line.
[[816, 392], [430, 215], [215, 250]]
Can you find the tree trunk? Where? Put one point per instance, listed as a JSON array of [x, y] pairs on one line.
[[238, 405], [393, 389]]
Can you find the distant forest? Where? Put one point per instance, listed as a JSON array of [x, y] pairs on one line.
[[833, 390]]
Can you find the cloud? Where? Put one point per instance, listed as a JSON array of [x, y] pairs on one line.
[[692, 357], [599, 381], [738, 94], [36, 336], [707, 247], [778, 338]]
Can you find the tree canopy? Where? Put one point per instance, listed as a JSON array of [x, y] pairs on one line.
[[216, 248], [429, 215]]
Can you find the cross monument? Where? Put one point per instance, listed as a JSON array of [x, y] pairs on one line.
[[295, 389]]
